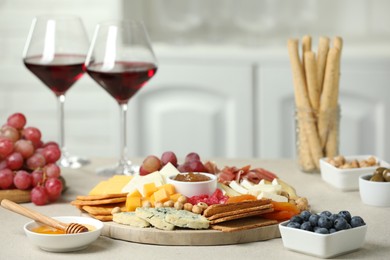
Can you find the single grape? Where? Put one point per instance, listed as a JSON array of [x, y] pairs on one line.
[[32, 134], [22, 180], [51, 143], [151, 163], [14, 161], [184, 167], [36, 161], [6, 147], [53, 188], [51, 153], [17, 120], [169, 157], [39, 195], [192, 157], [52, 170], [6, 178], [3, 164], [24, 147], [10, 133], [37, 177], [142, 171], [196, 166]]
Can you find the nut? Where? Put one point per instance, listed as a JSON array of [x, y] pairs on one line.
[[202, 205], [178, 205], [116, 210], [182, 199], [197, 209], [158, 204], [187, 206], [169, 204], [146, 204]]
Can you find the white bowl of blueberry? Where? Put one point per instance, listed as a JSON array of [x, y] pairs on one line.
[[324, 234]]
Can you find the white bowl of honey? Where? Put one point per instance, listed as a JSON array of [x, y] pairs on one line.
[[55, 240]]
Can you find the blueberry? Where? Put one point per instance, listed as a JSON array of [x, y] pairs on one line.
[[313, 219], [322, 231], [332, 230], [333, 217], [293, 225], [340, 223], [305, 215], [297, 219], [307, 226], [345, 214], [315, 228], [325, 222], [325, 213], [357, 221], [349, 226]]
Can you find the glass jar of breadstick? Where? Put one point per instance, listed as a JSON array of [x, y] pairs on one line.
[[317, 136]]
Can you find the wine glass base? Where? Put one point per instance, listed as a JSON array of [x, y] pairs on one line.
[[118, 170], [73, 162]]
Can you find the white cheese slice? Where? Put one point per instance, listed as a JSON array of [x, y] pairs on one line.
[[237, 187], [246, 184], [272, 196], [138, 182], [168, 170]]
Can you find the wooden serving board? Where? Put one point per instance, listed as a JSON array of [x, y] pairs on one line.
[[15, 195], [186, 237]]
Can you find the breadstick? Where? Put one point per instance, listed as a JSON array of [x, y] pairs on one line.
[[302, 102], [323, 48], [329, 94], [306, 46], [312, 80]]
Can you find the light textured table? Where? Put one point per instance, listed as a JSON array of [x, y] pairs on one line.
[[15, 245]]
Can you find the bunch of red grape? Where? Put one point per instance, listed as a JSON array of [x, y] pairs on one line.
[[192, 163], [26, 162]]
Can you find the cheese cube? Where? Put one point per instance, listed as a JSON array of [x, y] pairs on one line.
[[135, 194], [132, 203], [161, 195], [169, 188], [149, 189], [174, 197]]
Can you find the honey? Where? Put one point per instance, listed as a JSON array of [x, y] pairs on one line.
[[55, 231], [192, 177]]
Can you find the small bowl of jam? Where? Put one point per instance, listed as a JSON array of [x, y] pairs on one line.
[[194, 183], [54, 240]]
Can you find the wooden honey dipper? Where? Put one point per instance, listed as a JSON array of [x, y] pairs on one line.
[[71, 228]]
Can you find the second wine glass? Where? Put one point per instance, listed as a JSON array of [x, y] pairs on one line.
[[121, 61], [55, 52]]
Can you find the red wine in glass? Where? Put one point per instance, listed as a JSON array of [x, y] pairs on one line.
[[124, 79], [60, 74]]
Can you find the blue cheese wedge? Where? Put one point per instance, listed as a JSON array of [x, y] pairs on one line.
[[186, 219], [129, 218], [155, 216]]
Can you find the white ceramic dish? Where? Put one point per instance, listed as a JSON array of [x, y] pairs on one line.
[[346, 179], [320, 245], [374, 193], [190, 189], [64, 242]]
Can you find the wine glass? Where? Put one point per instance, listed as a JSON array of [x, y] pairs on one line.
[[55, 52], [121, 61]]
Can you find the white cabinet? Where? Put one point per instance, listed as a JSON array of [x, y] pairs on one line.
[[194, 106]]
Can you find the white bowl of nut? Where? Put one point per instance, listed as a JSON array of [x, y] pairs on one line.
[[343, 172], [194, 183], [374, 188]]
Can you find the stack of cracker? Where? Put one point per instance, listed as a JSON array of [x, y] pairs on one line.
[[100, 206], [316, 87], [239, 216]]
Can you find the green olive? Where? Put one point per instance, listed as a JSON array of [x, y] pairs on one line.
[[377, 177], [386, 175], [380, 170]]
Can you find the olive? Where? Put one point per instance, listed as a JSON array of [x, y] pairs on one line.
[[380, 170], [386, 175], [377, 177]]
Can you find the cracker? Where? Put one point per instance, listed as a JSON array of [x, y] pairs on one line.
[[219, 208], [101, 197], [103, 209], [243, 224], [97, 202], [241, 215], [239, 211], [102, 217]]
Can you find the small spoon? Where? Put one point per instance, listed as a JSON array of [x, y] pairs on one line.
[[71, 228]]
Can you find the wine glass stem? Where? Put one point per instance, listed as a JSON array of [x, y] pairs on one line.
[[123, 135], [61, 118]]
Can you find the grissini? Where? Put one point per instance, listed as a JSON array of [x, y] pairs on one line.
[[306, 46], [329, 94], [312, 80], [303, 103], [331, 148], [323, 48]]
